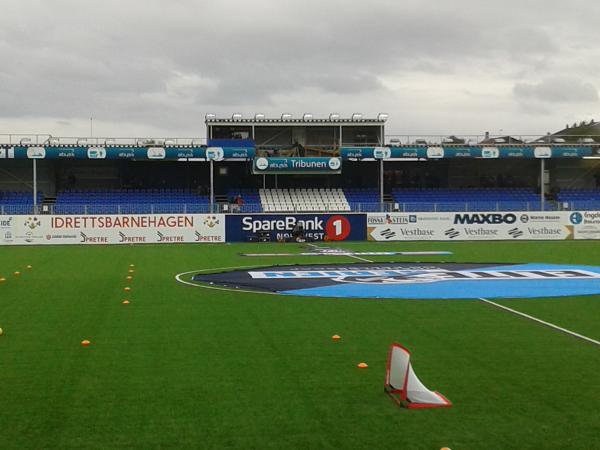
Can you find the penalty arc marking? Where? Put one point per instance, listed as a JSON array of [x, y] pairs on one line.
[[179, 279]]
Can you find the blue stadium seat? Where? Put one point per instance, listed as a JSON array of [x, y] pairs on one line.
[[130, 201]]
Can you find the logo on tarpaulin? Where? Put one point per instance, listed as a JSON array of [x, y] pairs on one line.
[[452, 233], [484, 218], [334, 163], [6, 223], [32, 223], [262, 163], [576, 218], [515, 232], [415, 280], [211, 221]]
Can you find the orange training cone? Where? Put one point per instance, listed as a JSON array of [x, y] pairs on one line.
[[129, 277], [126, 302], [29, 266], [2, 279], [131, 265], [362, 365], [17, 273], [336, 337], [127, 289], [85, 343], [131, 270]]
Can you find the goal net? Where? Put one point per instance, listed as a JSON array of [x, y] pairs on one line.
[[403, 385]]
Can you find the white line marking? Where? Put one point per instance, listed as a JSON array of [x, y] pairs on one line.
[[350, 256], [208, 286], [360, 258], [349, 253], [540, 321]]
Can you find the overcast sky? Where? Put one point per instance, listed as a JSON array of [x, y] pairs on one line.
[[155, 67]]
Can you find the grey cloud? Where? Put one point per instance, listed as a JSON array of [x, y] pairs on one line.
[[530, 41], [557, 90], [163, 63]]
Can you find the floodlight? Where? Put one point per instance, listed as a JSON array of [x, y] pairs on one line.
[[25, 141], [307, 117], [53, 141], [334, 116], [236, 116], [108, 142], [286, 116], [356, 116], [82, 141], [210, 116], [259, 116], [144, 142], [169, 142], [382, 117]]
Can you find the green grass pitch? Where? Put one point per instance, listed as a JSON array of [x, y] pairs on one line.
[[186, 367]]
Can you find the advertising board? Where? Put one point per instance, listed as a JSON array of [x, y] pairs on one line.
[[112, 229], [279, 227], [471, 226], [311, 165]]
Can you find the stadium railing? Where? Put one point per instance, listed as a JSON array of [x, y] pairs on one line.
[[255, 208]]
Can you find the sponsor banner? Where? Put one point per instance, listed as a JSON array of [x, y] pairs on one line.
[[326, 166], [168, 153], [112, 229], [515, 152], [413, 152], [570, 152], [279, 227], [356, 152], [408, 152], [586, 223], [483, 226], [239, 152], [462, 152], [173, 153], [414, 280], [490, 152], [467, 151]]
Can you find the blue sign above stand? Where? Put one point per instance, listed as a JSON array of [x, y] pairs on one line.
[[289, 165], [454, 151], [167, 153], [324, 166]]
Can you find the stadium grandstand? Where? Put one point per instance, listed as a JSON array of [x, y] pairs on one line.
[[305, 164]]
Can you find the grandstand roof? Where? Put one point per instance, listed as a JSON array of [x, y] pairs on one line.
[[294, 121]]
